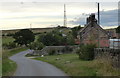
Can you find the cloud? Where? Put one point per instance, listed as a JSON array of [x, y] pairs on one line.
[[107, 18], [15, 14]]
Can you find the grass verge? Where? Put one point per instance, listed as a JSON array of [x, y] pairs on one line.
[[72, 66], [8, 66]]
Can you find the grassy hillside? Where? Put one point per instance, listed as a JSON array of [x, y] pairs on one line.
[[35, 30]]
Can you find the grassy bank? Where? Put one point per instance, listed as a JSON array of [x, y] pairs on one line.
[[71, 65], [8, 66], [0, 68]]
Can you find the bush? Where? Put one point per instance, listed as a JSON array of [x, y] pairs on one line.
[[36, 45], [52, 52], [68, 48], [86, 52], [9, 34], [37, 33], [3, 34], [10, 45]]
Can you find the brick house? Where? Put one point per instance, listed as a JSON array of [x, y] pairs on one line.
[[92, 33]]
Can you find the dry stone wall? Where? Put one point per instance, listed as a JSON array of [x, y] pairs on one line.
[[110, 54]]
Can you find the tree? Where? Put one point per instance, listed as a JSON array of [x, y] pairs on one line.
[[75, 31], [118, 29], [36, 45], [56, 38], [47, 39], [24, 37], [51, 38], [70, 39]]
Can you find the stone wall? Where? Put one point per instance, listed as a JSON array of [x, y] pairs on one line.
[[57, 49], [110, 54]]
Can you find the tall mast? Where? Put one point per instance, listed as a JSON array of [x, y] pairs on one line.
[[65, 18]]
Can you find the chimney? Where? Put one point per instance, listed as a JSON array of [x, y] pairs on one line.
[[87, 21], [91, 18]]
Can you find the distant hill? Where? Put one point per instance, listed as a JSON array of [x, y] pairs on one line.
[[35, 30]]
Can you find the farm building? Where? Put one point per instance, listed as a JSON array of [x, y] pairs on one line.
[[92, 33]]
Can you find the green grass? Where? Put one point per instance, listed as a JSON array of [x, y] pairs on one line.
[[0, 68], [8, 66], [79, 67], [6, 40]]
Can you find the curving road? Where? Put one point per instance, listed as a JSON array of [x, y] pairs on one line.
[[30, 67]]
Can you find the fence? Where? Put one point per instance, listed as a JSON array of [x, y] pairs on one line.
[[114, 43]]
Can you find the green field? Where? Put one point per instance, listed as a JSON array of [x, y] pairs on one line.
[[6, 40], [71, 65], [8, 66]]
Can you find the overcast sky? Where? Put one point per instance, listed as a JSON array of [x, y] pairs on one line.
[[16, 15]]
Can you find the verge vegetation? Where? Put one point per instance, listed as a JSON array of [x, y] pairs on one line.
[[8, 66], [73, 66]]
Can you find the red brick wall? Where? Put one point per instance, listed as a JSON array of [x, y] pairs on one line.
[[103, 42]]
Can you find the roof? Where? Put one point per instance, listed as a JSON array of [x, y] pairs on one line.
[[92, 21]]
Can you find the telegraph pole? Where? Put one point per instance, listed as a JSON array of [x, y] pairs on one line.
[[98, 24], [98, 14], [65, 18], [30, 26]]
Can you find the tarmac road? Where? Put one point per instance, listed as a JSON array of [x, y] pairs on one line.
[[30, 67]]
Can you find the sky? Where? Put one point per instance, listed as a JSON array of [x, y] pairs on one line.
[[19, 15]]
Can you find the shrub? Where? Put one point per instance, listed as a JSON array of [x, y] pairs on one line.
[[10, 45], [63, 50], [36, 45], [52, 52], [68, 48], [86, 52], [9, 34], [3, 34], [37, 33]]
